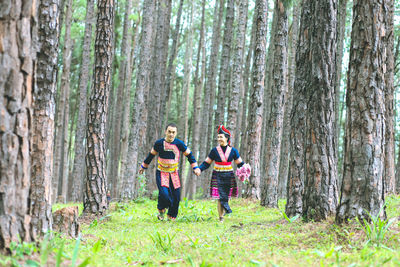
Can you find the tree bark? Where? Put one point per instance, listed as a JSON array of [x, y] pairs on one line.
[[363, 185], [185, 99], [246, 90], [160, 55], [43, 119], [171, 67], [137, 135], [223, 81], [295, 183], [117, 118], [320, 196], [256, 105], [389, 169], [16, 77], [122, 183], [63, 113], [197, 107], [341, 28], [95, 201], [269, 197], [78, 172], [237, 77], [284, 161], [210, 87]]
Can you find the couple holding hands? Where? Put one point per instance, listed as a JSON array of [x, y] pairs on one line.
[[223, 183]]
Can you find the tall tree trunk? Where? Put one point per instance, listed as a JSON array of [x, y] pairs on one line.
[[237, 77], [389, 169], [78, 172], [295, 183], [122, 183], [185, 97], [197, 107], [256, 106], [341, 28], [160, 54], [396, 68], [95, 200], [320, 196], [63, 112], [246, 90], [210, 87], [362, 187], [223, 81], [44, 91], [171, 67], [117, 119], [278, 78], [284, 161], [189, 190], [137, 135], [16, 82]]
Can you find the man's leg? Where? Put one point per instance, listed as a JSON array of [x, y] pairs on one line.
[[164, 198], [176, 198]]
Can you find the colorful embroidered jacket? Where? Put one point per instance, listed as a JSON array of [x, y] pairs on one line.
[[223, 157], [168, 160]]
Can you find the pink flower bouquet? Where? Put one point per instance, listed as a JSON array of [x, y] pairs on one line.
[[243, 173]]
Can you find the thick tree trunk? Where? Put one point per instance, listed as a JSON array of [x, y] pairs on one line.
[[43, 119], [78, 172], [16, 77], [117, 118], [320, 196], [237, 77], [295, 183], [256, 106], [171, 67], [278, 78], [363, 181], [223, 81], [284, 161], [137, 135], [389, 169], [95, 201]]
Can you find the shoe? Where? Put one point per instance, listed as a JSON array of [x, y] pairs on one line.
[[172, 219], [160, 216], [221, 219]]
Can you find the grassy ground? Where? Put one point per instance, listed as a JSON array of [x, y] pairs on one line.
[[252, 236]]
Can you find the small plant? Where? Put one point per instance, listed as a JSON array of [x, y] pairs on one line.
[[163, 241], [142, 185], [289, 220], [376, 229]]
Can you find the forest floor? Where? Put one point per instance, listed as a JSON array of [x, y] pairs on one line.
[[252, 236]]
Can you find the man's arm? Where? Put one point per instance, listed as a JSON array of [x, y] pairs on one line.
[[148, 160]]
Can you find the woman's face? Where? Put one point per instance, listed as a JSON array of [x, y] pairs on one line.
[[222, 140]]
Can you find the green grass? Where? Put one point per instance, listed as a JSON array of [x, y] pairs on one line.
[[251, 236]]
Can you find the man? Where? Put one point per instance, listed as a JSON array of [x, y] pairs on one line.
[[167, 178]]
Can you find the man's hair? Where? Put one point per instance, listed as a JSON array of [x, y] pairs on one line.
[[171, 125]]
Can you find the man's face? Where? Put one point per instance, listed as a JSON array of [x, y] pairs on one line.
[[170, 134]]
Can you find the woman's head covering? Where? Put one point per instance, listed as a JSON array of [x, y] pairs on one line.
[[223, 130]]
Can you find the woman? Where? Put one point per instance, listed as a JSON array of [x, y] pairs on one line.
[[223, 183]]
